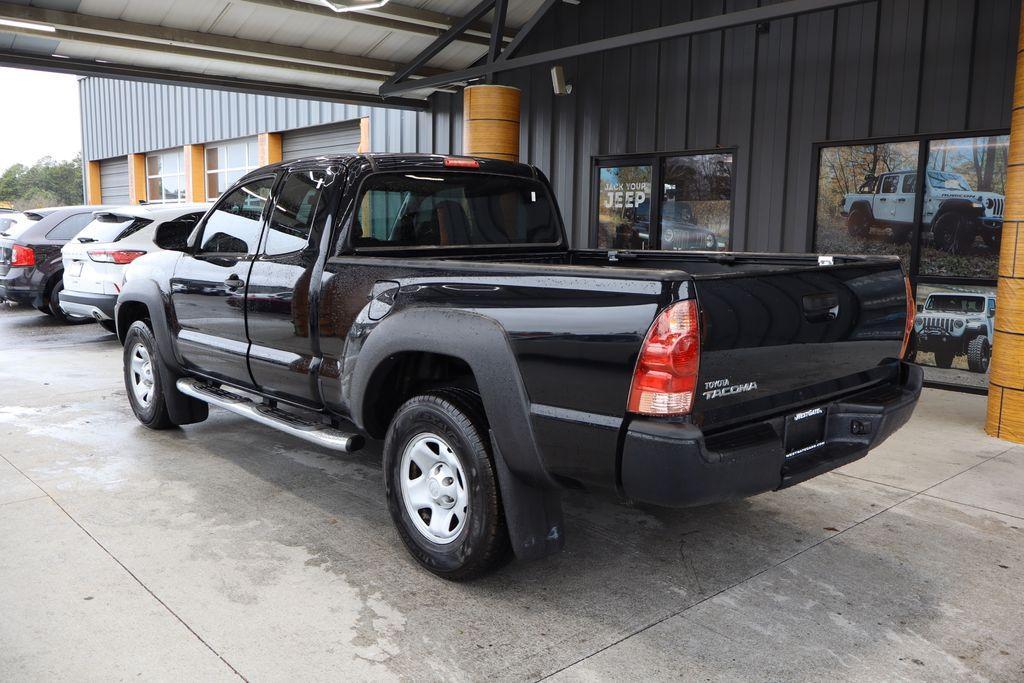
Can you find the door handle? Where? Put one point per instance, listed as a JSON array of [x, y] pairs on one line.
[[234, 282], [882, 199], [902, 199]]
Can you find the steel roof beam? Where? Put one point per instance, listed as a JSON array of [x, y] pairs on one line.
[[82, 25], [720, 22]]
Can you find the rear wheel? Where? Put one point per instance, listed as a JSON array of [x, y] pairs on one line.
[[442, 487], [901, 233], [979, 352], [45, 308], [58, 313], [142, 377]]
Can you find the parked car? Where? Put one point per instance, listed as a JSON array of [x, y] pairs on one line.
[[679, 229], [31, 271], [954, 213], [953, 324], [433, 302], [95, 260]]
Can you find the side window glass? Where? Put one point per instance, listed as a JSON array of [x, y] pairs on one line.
[[174, 234], [235, 224], [69, 227], [910, 183], [294, 211], [889, 184]]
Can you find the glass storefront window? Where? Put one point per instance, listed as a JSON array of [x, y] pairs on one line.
[[953, 333], [696, 202], [624, 207], [963, 207], [165, 177], [867, 199], [226, 162]]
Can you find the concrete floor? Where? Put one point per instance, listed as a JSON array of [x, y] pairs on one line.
[[226, 550]]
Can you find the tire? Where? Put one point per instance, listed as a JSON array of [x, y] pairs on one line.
[[953, 233], [60, 315], [901, 234], [141, 372], [979, 353], [445, 432], [944, 358], [109, 325], [992, 240], [859, 224]]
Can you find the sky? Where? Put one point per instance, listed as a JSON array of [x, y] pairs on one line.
[[38, 116]]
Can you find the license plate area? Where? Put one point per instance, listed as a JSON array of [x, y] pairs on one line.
[[75, 269], [805, 432]]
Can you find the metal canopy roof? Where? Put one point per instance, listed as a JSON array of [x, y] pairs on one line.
[[295, 47]]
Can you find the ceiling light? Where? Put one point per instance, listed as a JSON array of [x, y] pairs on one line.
[[29, 25], [352, 7]]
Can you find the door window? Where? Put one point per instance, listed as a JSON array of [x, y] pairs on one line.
[[235, 224], [696, 202], [294, 211], [910, 183], [69, 227], [889, 184], [174, 234]]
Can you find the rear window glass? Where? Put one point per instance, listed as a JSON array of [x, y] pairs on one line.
[[14, 224], [438, 209], [111, 228]]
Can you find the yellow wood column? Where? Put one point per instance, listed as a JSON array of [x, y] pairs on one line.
[[1006, 381], [269, 148], [136, 178], [93, 186], [195, 173], [364, 136], [491, 122]]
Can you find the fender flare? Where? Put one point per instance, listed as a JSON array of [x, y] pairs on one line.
[[482, 344], [182, 409], [863, 204], [957, 204]]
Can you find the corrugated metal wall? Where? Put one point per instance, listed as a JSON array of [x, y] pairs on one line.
[[121, 117], [114, 180], [883, 68], [339, 138]]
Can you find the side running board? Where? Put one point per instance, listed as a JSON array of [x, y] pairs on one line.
[[313, 432]]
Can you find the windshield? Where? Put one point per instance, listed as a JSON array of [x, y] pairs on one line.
[[941, 180], [439, 209], [111, 228], [956, 304], [14, 224]]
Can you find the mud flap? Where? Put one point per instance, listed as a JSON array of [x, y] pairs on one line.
[[183, 410], [534, 515]]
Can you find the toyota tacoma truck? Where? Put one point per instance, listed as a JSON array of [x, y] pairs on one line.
[[951, 324], [433, 302], [954, 214]]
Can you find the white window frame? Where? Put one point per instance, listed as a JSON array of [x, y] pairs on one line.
[[251, 155], [180, 175]]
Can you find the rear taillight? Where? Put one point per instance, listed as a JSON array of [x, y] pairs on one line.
[[118, 256], [22, 256], [911, 314], [665, 379]]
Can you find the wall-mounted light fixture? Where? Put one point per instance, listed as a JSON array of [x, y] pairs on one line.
[[352, 6], [558, 81]]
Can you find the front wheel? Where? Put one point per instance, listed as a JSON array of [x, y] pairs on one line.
[[442, 488], [979, 352], [954, 233], [142, 377], [944, 358]]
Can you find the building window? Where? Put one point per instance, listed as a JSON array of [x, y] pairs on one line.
[[945, 224], [165, 176], [677, 202], [226, 162]]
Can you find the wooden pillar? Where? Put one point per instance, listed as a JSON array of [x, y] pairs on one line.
[[137, 178], [195, 173], [93, 185], [1006, 380], [491, 122], [269, 148], [364, 136]]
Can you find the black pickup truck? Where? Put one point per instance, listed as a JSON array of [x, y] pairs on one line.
[[433, 302]]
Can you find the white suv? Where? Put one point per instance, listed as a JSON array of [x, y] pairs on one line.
[[96, 258]]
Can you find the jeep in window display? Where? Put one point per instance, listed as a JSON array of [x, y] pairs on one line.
[[954, 214], [951, 324]]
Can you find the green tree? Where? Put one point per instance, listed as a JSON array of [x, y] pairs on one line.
[[47, 182]]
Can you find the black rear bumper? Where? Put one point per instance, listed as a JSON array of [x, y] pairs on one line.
[[675, 465]]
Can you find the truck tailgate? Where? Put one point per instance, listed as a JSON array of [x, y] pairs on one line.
[[775, 341]]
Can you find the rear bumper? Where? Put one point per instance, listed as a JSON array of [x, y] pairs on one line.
[[22, 286], [99, 306], [675, 465]]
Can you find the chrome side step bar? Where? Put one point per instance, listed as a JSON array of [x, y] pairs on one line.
[[319, 434]]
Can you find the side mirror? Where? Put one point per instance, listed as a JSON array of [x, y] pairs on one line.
[[920, 308], [991, 312]]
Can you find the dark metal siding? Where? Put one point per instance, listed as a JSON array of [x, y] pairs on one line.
[[883, 68]]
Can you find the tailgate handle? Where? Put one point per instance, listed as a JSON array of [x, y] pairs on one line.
[[821, 308]]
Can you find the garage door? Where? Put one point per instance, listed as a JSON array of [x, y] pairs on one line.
[[114, 180], [340, 138]]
